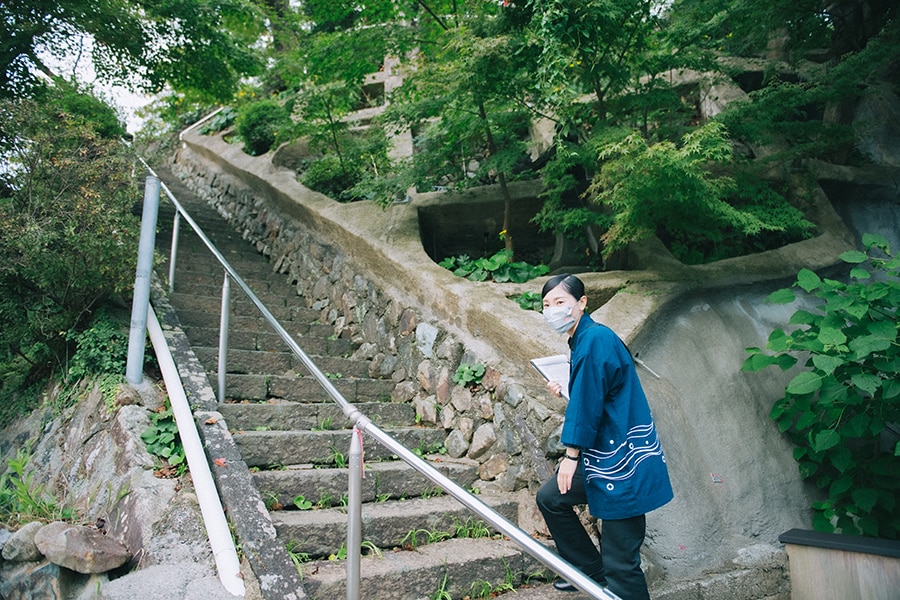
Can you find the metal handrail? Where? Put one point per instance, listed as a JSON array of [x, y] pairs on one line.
[[540, 552]]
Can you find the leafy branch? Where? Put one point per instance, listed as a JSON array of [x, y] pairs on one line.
[[842, 411]]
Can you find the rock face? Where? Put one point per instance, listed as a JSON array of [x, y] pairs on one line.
[[97, 455]]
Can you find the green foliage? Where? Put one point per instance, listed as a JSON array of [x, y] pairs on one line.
[[68, 238], [328, 176], [261, 125], [497, 268], [224, 119], [192, 46], [302, 503], [23, 501], [468, 374], [163, 442], [839, 410], [529, 301], [297, 557], [669, 190], [101, 348]]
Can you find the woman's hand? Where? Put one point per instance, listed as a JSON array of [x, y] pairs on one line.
[[564, 474], [555, 388]]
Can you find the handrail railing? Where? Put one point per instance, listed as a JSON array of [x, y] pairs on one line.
[[537, 550]]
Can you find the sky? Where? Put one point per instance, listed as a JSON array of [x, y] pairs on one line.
[[125, 101]]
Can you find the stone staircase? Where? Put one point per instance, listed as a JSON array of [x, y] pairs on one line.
[[417, 542]]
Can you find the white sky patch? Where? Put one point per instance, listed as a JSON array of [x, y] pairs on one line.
[[125, 101]]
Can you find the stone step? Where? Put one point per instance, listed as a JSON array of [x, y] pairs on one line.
[[254, 339], [264, 289], [286, 416], [281, 363], [383, 480], [303, 322], [455, 568], [304, 388], [214, 279], [243, 307], [390, 524], [207, 296], [265, 449]]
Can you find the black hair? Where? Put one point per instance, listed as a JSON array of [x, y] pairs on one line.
[[572, 284]]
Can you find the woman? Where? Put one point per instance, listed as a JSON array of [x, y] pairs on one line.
[[613, 460]]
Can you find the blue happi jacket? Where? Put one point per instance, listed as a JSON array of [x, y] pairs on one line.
[[608, 419]]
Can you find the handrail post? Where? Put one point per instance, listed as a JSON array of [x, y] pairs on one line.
[[354, 515], [224, 319], [173, 253], [134, 366]]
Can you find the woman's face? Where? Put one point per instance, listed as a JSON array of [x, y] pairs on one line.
[[561, 297]]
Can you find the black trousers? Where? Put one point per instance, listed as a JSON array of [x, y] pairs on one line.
[[618, 563]]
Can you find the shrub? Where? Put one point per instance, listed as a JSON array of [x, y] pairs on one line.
[[841, 410], [68, 238], [261, 124], [101, 348], [327, 176], [669, 190]]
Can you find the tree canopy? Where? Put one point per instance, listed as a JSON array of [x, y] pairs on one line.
[[203, 47]]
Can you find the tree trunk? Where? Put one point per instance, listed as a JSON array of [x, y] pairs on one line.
[[504, 189]]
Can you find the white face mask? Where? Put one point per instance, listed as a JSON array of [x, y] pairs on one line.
[[559, 318]]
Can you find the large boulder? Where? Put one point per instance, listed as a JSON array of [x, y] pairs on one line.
[[81, 549]]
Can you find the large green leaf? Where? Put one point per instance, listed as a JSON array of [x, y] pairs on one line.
[[842, 459], [808, 280], [826, 363], [826, 439], [867, 382], [853, 256], [804, 383], [832, 336], [865, 498], [784, 296]]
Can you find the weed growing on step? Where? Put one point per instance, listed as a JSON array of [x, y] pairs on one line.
[[441, 592], [324, 500], [471, 528], [428, 536], [426, 449], [326, 424], [302, 503], [298, 558], [341, 553], [381, 498], [432, 492], [338, 458], [270, 499]]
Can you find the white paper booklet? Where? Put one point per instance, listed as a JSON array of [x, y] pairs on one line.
[[554, 368]]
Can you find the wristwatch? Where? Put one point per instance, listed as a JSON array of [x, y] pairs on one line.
[[570, 457]]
